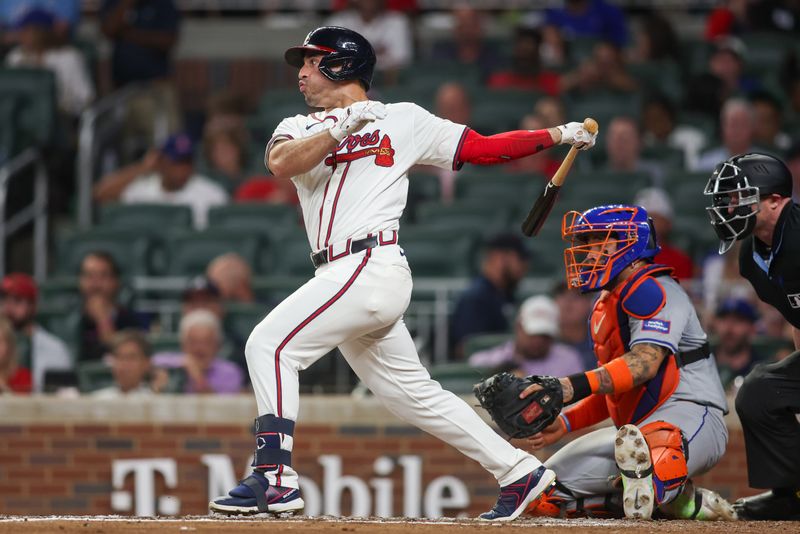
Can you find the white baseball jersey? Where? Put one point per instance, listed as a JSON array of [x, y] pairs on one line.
[[363, 189]]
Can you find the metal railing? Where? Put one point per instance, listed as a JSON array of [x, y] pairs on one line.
[[92, 132], [35, 212]]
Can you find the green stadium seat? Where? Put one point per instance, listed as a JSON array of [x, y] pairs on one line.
[[457, 377], [153, 218], [61, 321], [190, 253], [241, 318], [274, 288], [766, 51], [475, 209], [164, 342], [35, 110], [659, 76], [292, 257], [670, 158], [132, 251], [270, 219], [430, 74], [93, 376], [495, 111], [437, 257], [59, 292]]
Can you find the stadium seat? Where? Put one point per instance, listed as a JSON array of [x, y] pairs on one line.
[[659, 76], [670, 158], [35, 109], [60, 292], [273, 220], [164, 342], [457, 377], [292, 257], [274, 288], [241, 318], [437, 257], [152, 218], [475, 209], [93, 376], [190, 253], [62, 322], [132, 251]]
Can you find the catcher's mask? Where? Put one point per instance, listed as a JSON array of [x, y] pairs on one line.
[[603, 241], [736, 187]]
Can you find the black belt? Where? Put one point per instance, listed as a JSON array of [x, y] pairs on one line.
[[321, 257], [682, 359]]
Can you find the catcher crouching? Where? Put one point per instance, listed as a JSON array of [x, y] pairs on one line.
[[656, 380]]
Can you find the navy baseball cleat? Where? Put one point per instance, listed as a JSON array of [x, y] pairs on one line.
[[516, 497], [254, 495]]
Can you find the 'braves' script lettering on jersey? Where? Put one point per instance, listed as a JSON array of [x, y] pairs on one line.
[[384, 153]]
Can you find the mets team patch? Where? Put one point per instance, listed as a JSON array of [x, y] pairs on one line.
[[656, 325]]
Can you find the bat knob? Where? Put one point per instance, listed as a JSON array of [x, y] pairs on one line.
[[590, 125]]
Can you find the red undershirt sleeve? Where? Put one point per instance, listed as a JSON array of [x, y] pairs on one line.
[[502, 147]]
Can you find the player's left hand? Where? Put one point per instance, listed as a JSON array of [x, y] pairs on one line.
[[573, 133]]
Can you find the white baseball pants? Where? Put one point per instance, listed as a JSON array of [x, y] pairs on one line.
[[356, 303]]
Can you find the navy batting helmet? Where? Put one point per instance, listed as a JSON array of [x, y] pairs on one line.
[[343, 48], [735, 189]]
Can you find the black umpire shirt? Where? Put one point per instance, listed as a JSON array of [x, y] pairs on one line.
[[774, 271]]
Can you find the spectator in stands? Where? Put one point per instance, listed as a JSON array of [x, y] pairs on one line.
[[574, 308], [736, 17], [660, 128], [624, 147], [735, 329], [550, 108], [727, 64], [202, 294], [534, 349], [226, 153], [389, 33], [659, 207], [143, 35], [730, 18], [452, 102], [39, 47], [130, 366], [768, 122], [486, 306], [35, 349], [14, 378], [164, 176], [201, 341], [656, 40], [468, 45], [542, 163], [589, 18], [604, 70], [525, 71], [231, 274], [267, 189], [721, 280], [737, 121], [66, 15], [102, 316]]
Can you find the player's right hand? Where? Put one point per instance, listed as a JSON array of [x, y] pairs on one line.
[[573, 133], [357, 116]]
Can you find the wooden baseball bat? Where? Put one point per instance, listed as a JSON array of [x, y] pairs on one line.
[[544, 204]]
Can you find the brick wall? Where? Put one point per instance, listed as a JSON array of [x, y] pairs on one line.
[[66, 467]]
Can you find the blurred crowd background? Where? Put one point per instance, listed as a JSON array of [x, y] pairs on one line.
[[143, 238]]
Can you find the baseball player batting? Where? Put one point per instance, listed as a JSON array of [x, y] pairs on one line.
[[350, 165], [656, 380]]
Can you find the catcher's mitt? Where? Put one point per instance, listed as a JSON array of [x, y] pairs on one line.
[[520, 418]]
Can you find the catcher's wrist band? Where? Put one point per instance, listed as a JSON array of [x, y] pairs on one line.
[[585, 384], [580, 386]]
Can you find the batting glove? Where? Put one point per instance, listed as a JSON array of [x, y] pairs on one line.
[[573, 133], [357, 116]]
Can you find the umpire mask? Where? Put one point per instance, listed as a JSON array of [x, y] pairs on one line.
[[734, 204]]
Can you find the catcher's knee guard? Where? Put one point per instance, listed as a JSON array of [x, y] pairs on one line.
[[669, 452]]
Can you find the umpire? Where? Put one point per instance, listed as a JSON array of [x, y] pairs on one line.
[[751, 196]]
